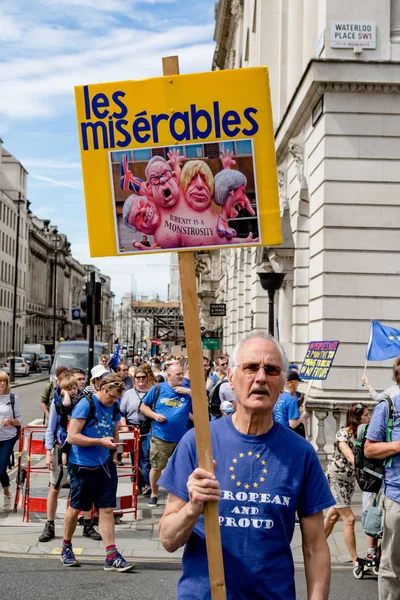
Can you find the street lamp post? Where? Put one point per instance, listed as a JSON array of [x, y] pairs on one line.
[[14, 318], [271, 282]]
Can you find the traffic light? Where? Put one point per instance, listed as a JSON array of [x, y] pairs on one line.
[[97, 303], [83, 303], [93, 301]]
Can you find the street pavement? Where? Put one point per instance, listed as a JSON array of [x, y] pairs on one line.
[[48, 579], [139, 539]]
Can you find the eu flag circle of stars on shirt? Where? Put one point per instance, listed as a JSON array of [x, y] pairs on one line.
[[263, 471], [102, 431]]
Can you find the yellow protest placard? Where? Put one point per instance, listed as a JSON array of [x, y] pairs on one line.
[[179, 162]]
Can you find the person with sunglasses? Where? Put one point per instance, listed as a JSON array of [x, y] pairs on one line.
[[264, 474], [92, 470], [220, 372], [131, 415], [341, 476]]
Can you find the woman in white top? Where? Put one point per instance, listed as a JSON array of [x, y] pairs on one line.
[[9, 421], [131, 415]]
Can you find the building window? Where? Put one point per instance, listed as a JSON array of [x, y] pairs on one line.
[[243, 147], [117, 156], [223, 146], [144, 154], [180, 148], [194, 151]]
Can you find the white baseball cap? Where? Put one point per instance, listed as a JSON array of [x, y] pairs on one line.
[[227, 407], [98, 371]]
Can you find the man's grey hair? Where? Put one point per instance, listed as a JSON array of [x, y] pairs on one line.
[[154, 160], [226, 181], [233, 359], [126, 211]]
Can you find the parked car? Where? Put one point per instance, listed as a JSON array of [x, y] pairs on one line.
[[33, 361], [21, 366], [45, 361]]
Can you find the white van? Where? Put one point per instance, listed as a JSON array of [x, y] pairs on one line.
[[74, 353], [34, 348]]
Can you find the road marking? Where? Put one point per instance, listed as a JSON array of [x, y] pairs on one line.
[[58, 551], [137, 559]]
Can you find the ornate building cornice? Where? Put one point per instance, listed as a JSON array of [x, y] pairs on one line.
[[303, 102]]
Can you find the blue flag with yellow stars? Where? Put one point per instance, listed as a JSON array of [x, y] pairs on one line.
[[384, 342], [116, 357]]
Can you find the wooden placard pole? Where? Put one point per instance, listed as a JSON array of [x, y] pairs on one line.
[[307, 393], [199, 395]]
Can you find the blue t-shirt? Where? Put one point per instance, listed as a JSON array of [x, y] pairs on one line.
[[377, 433], [175, 407], [264, 480], [285, 409], [93, 456]]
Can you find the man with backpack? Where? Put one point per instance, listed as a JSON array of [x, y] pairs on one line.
[[383, 442], [93, 435], [56, 434], [50, 389], [169, 406]]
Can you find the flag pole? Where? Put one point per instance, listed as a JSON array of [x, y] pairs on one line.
[[369, 344]]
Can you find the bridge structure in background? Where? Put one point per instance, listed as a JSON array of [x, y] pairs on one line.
[[165, 317]]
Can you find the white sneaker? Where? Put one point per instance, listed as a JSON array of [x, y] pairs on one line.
[[7, 503]]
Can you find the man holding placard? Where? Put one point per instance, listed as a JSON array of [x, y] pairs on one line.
[[264, 474]]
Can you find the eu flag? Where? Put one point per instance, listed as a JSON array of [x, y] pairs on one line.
[[384, 342], [114, 360]]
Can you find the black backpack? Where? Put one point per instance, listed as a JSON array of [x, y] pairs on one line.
[[370, 471], [145, 426], [91, 419], [214, 400]]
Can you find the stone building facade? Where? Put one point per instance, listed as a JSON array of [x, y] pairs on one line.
[[336, 119], [13, 178], [51, 265], [45, 264]]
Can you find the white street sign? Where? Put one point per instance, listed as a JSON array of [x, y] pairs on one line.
[[353, 34]]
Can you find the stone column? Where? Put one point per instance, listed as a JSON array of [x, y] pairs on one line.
[[321, 415], [310, 30], [285, 309], [295, 47], [395, 21]]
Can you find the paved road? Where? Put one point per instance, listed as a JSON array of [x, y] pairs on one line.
[[23, 578], [29, 396]]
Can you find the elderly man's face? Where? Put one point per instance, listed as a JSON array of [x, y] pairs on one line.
[[257, 392], [198, 194], [163, 184]]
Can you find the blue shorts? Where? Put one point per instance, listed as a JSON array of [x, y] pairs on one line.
[[93, 485]]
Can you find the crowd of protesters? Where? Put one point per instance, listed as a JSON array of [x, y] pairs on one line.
[[154, 395]]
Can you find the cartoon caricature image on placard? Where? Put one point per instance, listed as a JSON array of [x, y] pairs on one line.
[[187, 196]]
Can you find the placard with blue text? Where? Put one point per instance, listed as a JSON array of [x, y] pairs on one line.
[[318, 360], [183, 162]]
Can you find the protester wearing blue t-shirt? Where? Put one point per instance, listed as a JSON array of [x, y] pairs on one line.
[[376, 446], [169, 412], [92, 471], [286, 410], [264, 474]]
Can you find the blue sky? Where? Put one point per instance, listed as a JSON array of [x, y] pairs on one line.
[[48, 47]]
